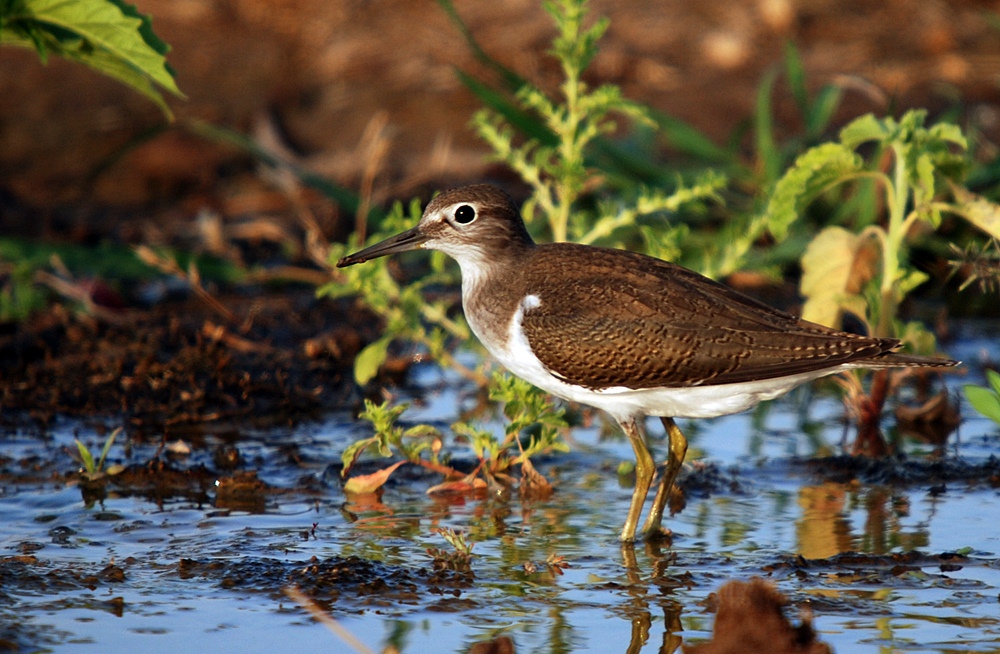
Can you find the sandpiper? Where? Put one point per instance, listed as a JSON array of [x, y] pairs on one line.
[[624, 332]]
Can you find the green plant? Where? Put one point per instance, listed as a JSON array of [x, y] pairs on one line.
[[986, 400], [404, 308], [548, 141], [109, 36], [528, 411], [868, 273], [94, 470], [19, 295], [390, 437], [838, 265], [556, 171], [459, 560]]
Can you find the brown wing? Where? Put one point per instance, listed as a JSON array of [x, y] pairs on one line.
[[668, 327]]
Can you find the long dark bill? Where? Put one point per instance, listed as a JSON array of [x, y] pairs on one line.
[[411, 239]]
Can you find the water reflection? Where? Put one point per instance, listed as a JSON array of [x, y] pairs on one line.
[[823, 529]]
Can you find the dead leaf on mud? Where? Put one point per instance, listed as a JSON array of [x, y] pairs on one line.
[[533, 484], [363, 484], [466, 485], [931, 422], [241, 492]]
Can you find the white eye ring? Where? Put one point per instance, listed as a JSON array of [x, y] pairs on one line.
[[465, 214]]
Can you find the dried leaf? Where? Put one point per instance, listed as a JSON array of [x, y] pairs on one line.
[[978, 210], [835, 268], [461, 486], [370, 483], [533, 483]]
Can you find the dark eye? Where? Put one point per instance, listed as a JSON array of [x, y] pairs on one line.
[[465, 214]]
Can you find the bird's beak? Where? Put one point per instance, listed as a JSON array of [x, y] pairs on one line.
[[411, 239]]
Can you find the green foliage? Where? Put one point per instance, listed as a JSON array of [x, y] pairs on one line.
[[94, 470], [411, 442], [986, 400], [552, 160], [109, 36], [815, 113], [407, 313], [528, 410], [19, 295], [837, 266]]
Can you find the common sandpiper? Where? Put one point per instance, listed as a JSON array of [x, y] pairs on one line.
[[624, 332]]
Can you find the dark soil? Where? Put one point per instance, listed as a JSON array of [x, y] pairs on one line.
[[177, 365]]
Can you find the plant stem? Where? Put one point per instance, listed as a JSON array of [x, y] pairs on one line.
[[896, 197]]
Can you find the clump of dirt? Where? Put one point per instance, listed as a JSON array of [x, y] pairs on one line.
[[884, 570], [340, 582], [750, 618], [900, 470], [177, 365]]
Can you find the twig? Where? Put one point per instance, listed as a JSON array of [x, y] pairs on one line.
[[326, 619], [192, 278], [374, 145]]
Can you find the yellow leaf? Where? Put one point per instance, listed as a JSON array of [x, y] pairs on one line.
[[978, 210], [370, 483], [835, 268]]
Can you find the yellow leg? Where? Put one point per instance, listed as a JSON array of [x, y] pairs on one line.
[[644, 470], [678, 448]]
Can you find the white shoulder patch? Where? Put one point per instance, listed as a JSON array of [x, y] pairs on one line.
[[530, 302]]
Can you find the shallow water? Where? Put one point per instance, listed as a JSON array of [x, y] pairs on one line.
[[188, 573]]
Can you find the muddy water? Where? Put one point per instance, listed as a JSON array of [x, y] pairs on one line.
[[883, 565]]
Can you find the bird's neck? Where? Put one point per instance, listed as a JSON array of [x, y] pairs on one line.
[[491, 292]]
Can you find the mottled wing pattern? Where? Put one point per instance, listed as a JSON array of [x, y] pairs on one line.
[[669, 328]]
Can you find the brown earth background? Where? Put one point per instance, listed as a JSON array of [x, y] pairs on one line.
[[327, 76]]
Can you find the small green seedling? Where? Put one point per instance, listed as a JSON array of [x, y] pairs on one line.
[[94, 470], [459, 560]]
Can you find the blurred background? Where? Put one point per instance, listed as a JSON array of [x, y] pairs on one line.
[[369, 89]]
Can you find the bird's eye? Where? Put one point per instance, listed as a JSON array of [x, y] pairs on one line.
[[465, 214]]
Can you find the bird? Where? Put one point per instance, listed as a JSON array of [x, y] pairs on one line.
[[627, 333]]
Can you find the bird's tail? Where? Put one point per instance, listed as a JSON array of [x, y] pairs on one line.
[[898, 360]]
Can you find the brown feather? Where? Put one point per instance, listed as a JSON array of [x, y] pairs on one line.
[[669, 327]]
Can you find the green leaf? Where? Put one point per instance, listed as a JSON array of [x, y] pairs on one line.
[[105, 25], [812, 173], [369, 359], [950, 133], [353, 451], [524, 122], [767, 150], [861, 130], [107, 35], [822, 110], [993, 377], [107, 447], [984, 400], [85, 456], [687, 139], [796, 77]]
